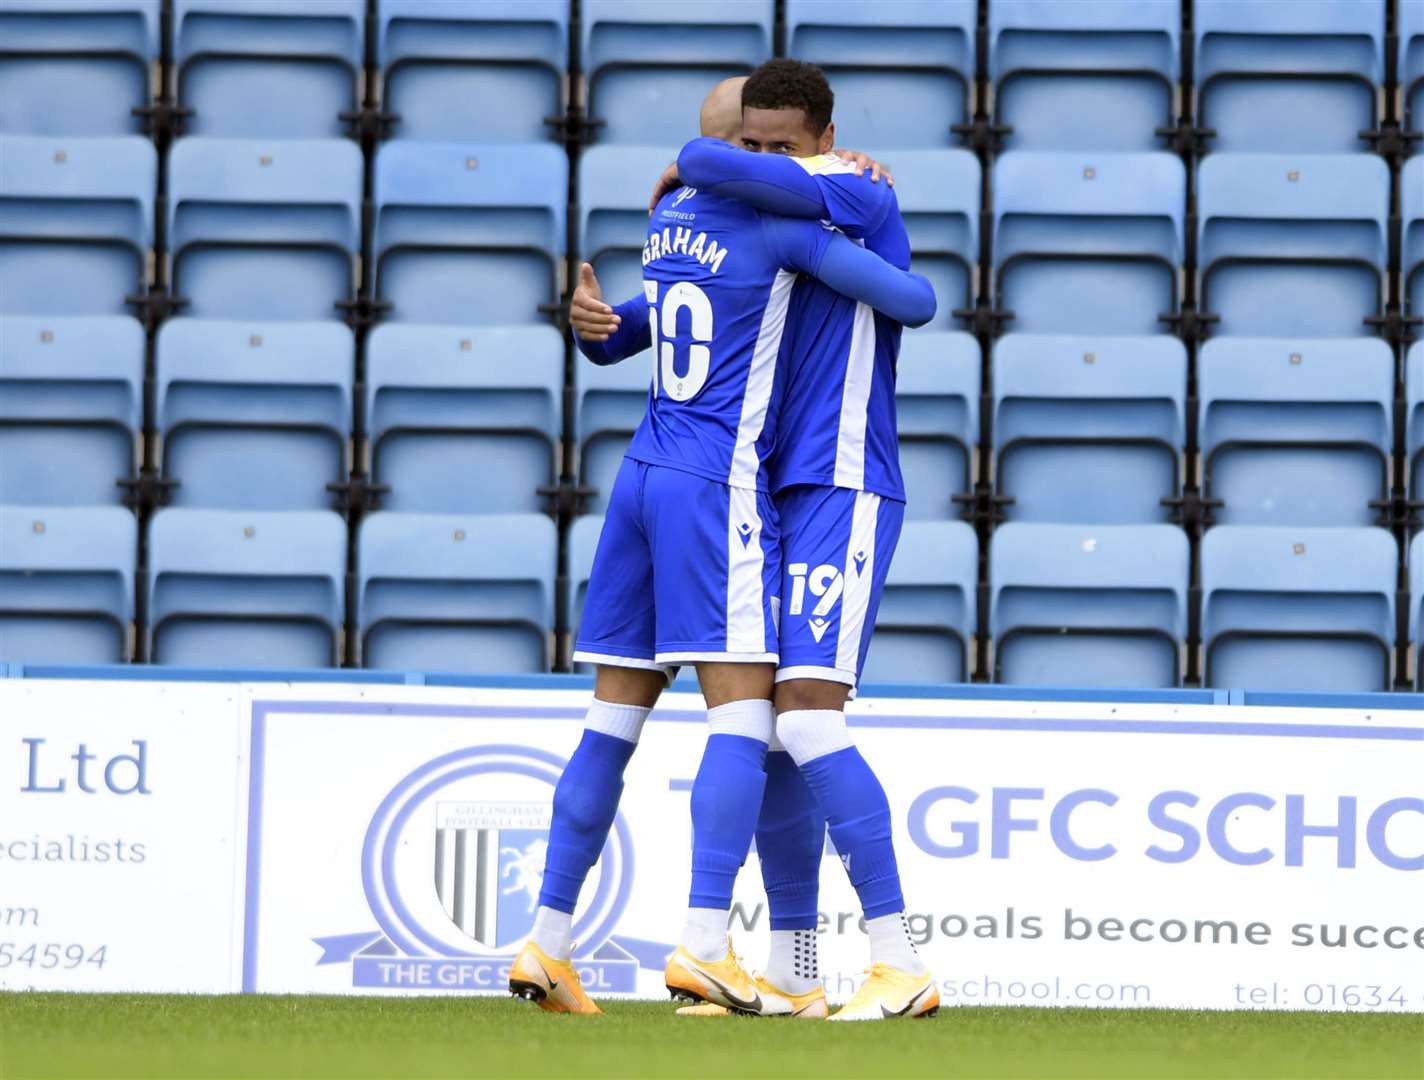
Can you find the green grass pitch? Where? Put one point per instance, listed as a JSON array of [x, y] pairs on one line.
[[73, 1035]]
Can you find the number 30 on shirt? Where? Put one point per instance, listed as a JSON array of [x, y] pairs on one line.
[[680, 296]]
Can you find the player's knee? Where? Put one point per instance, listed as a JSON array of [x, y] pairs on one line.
[[628, 686], [798, 695]]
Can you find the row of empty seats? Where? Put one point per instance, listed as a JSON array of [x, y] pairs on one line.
[[1301, 76], [1083, 429], [476, 235], [1068, 605]]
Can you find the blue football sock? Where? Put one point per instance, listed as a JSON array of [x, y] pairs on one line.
[[586, 801], [854, 802], [726, 798], [790, 837]]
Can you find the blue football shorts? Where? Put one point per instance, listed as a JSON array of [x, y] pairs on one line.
[[836, 548], [687, 569]]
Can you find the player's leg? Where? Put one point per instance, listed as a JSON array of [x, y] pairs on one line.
[[617, 633], [717, 573], [839, 545], [790, 838]]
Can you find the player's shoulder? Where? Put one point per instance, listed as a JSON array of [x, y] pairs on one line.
[[825, 165]]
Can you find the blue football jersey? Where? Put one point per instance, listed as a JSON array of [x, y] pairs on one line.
[[718, 278], [840, 356]]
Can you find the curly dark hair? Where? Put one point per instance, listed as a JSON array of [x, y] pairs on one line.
[[791, 84]]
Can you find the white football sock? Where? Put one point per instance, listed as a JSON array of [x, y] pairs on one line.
[[753, 718], [890, 943], [551, 932], [793, 965], [704, 934], [621, 721], [809, 734]]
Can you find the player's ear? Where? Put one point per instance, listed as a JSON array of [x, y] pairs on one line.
[[828, 139]]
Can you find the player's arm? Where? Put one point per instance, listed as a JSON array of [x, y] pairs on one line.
[[785, 185], [850, 269], [606, 334]]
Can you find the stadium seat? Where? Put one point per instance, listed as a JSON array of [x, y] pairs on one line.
[[269, 69], [1414, 419], [66, 584], [1087, 243], [937, 390], [254, 416], [245, 588], [76, 69], [1288, 77], [924, 630], [464, 421], [462, 593], [264, 230], [1292, 245], [1411, 265], [1088, 429], [903, 70], [938, 192], [1088, 605], [1410, 31], [71, 408], [583, 543], [76, 223], [1298, 608], [1296, 432], [480, 69], [470, 235], [610, 403], [613, 208], [1416, 607], [649, 64], [1076, 76]]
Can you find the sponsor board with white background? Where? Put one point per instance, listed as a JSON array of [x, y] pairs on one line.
[[390, 840]]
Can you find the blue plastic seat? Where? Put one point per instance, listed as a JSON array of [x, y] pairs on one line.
[[938, 192], [1416, 607], [1088, 243], [264, 229], [1410, 31], [1298, 608], [71, 408], [613, 209], [1088, 605], [451, 592], [464, 421], [1084, 76], [1411, 263], [254, 416], [70, 68], [1296, 432], [1089, 429], [482, 69], [649, 64], [937, 390], [903, 70], [468, 234], [1414, 419], [1292, 245], [76, 223], [924, 630], [268, 69], [582, 545], [245, 588], [1288, 76], [66, 584], [610, 404]]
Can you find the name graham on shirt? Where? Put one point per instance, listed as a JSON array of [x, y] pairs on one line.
[[680, 241]]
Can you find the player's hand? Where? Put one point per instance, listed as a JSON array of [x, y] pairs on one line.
[[668, 181], [862, 162], [591, 318]]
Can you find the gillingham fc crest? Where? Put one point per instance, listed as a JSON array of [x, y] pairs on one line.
[[451, 867]]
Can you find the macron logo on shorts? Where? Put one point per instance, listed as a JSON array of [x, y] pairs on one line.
[[745, 531]]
